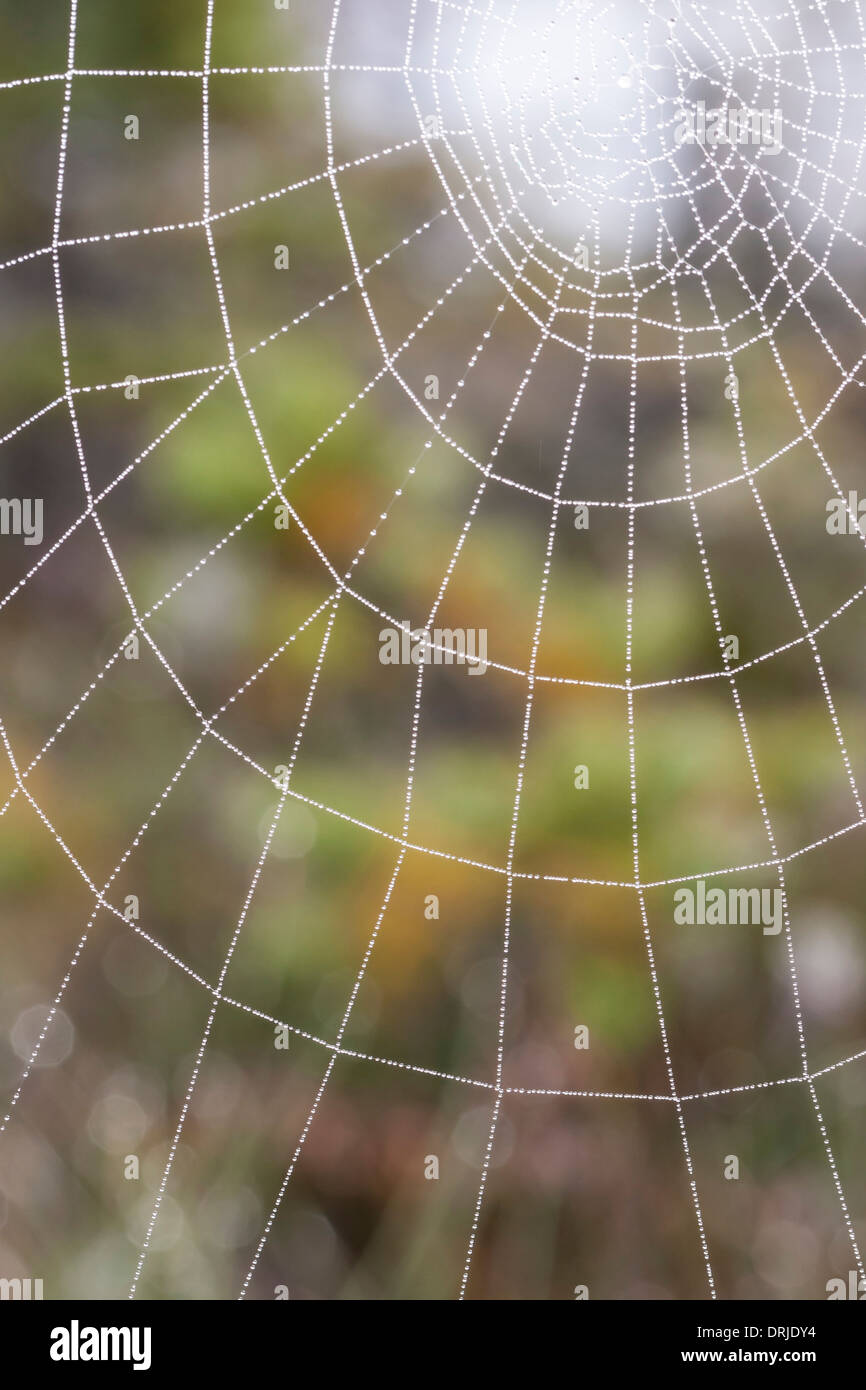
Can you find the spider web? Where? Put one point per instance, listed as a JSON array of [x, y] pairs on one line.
[[550, 128]]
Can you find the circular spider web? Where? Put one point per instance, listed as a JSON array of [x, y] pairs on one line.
[[674, 322]]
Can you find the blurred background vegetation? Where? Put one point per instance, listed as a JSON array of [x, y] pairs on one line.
[[584, 1189]]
